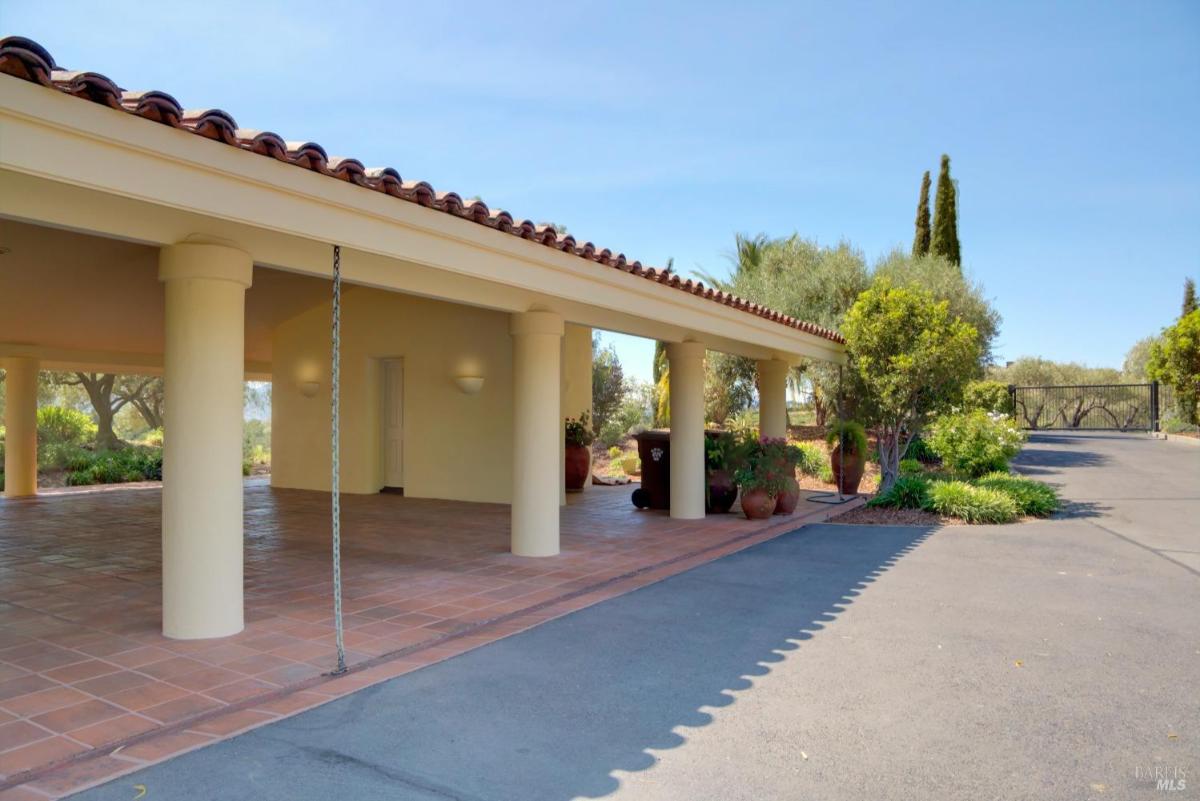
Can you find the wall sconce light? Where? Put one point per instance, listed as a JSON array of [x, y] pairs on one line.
[[469, 384], [309, 389]]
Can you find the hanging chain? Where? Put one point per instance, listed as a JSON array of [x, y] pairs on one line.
[[335, 484]]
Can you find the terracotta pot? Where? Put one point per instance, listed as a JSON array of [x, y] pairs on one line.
[[785, 504], [722, 492], [758, 504], [847, 473], [578, 464]]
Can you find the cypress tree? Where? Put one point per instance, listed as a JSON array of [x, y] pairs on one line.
[[945, 217], [1189, 297], [921, 240]]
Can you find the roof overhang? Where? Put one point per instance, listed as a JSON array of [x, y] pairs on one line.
[[91, 168]]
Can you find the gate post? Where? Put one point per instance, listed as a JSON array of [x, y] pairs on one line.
[[1012, 401], [1153, 406]]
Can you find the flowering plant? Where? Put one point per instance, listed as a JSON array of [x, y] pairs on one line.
[[767, 464]]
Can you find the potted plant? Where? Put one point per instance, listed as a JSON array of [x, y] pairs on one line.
[[760, 480], [720, 456], [785, 457], [847, 454], [579, 437]]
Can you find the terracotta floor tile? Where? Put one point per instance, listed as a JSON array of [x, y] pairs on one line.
[[77, 716], [145, 655], [41, 656], [113, 730], [20, 732], [180, 708], [40, 753], [23, 685], [293, 702], [259, 663], [80, 671], [147, 695], [44, 701], [204, 678], [8, 671], [172, 668], [237, 691], [416, 572], [290, 674]]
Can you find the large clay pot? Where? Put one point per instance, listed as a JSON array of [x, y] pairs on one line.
[[848, 472], [578, 465], [722, 492], [785, 504], [758, 504]]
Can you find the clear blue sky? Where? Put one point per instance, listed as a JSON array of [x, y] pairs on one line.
[[660, 132]]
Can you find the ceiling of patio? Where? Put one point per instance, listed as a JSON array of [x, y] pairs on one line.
[[67, 290]]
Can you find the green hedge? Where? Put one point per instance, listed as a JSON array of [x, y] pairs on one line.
[[908, 492], [993, 498], [115, 467], [972, 504], [1033, 498]]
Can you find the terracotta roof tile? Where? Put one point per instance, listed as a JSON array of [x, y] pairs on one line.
[[25, 59]]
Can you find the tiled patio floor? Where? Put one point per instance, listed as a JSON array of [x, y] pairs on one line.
[[89, 688]]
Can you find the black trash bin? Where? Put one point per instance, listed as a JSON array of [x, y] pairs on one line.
[[654, 449]]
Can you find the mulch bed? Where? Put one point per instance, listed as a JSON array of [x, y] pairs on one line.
[[881, 516]]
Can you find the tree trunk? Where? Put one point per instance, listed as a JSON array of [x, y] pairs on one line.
[[889, 457], [100, 392]]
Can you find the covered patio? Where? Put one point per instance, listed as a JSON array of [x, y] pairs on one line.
[[140, 237], [85, 668]]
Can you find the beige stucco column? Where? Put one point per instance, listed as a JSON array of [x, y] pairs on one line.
[[537, 432], [772, 398], [576, 383], [204, 367], [687, 429], [20, 426]]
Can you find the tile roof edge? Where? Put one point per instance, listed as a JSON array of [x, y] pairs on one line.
[[27, 60]]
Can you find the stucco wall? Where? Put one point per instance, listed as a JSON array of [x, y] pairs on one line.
[[456, 446]]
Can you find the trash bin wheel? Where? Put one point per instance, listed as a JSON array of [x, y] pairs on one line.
[[641, 498]]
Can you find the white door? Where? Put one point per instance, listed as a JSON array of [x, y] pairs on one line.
[[393, 423]]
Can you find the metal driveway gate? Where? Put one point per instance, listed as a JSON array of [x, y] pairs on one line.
[[1097, 407]]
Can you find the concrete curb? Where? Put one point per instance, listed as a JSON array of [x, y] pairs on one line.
[[1193, 442]]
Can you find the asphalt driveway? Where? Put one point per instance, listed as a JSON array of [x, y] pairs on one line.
[[1049, 660]]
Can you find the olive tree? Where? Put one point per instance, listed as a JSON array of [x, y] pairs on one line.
[[909, 358]]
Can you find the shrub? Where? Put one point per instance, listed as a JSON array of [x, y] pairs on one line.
[[990, 396], [911, 467], [973, 443], [60, 455], [908, 492], [1032, 497], [919, 449], [59, 424], [631, 464], [115, 467], [970, 503], [614, 452], [812, 460]]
